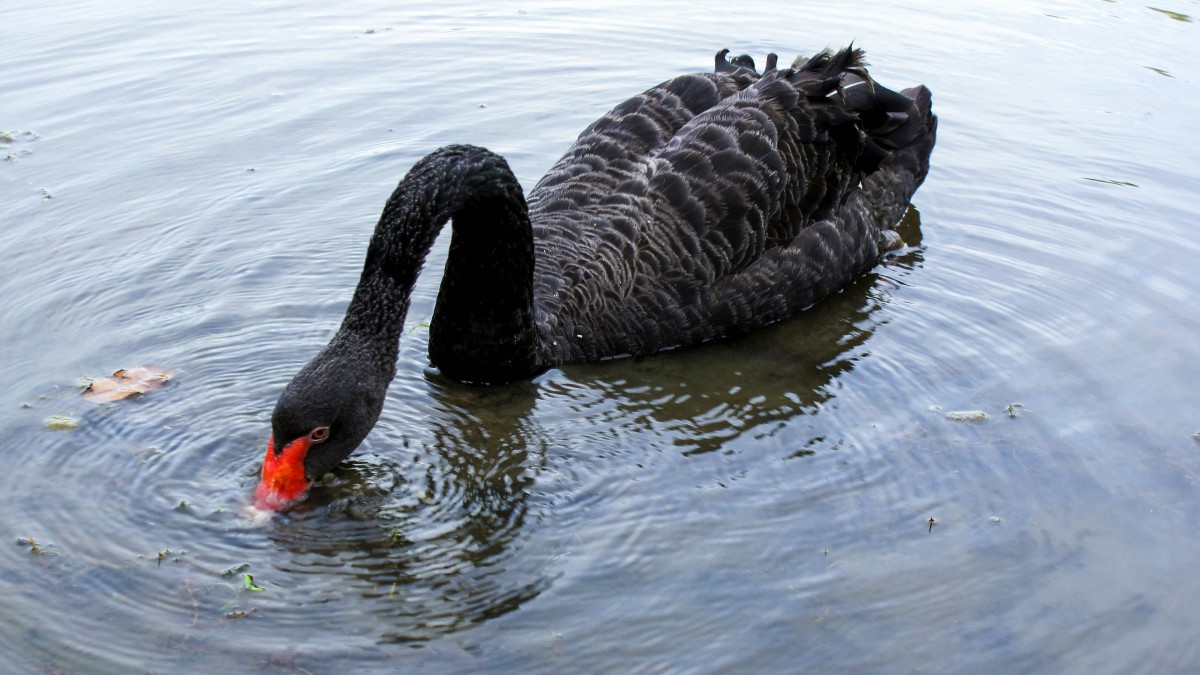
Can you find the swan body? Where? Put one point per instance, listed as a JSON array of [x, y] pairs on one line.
[[709, 205]]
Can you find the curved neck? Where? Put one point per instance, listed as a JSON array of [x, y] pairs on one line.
[[482, 329]]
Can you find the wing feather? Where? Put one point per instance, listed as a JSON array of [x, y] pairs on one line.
[[718, 202]]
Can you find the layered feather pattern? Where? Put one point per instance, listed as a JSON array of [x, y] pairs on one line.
[[720, 202]]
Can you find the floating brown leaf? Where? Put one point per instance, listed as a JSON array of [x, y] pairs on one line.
[[126, 382]]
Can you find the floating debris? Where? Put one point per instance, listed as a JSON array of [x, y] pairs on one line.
[[1014, 409], [61, 423], [966, 416], [246, 585], [995, 520], [1111, 181], [127, 382], [931, 522], [1178, 16], [420, 325], [32, 544], [10, 137], [236, 569]]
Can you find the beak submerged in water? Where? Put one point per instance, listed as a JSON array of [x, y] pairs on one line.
[[282, 482]]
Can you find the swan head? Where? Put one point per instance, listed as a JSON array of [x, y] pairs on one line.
[[321, 417]]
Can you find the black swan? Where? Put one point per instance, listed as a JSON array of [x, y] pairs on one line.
[[707, 206]]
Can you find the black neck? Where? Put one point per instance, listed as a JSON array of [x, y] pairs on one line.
[[482, 328]]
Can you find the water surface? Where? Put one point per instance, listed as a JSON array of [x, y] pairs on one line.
[[195, 188]]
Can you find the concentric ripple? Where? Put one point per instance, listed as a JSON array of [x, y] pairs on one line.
[[195, 189]]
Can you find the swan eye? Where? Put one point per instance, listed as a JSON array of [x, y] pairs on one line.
[[319, 434]]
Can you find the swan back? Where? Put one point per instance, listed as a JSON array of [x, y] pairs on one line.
[[719, 202]]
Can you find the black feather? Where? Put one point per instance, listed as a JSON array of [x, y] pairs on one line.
[[706, 206]]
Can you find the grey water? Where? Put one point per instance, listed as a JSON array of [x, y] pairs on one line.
[[980, 457]]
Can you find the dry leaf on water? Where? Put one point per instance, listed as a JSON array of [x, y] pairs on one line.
[[127, 382]]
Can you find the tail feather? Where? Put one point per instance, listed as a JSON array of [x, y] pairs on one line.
[[905, 163], [832, 63], [884, 136]]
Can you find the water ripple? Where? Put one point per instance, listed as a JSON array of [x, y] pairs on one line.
[[731, 507]]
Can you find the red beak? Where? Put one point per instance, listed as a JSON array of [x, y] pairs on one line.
[[282, 481]]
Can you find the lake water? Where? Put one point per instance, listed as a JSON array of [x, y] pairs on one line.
[[194, 189]]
